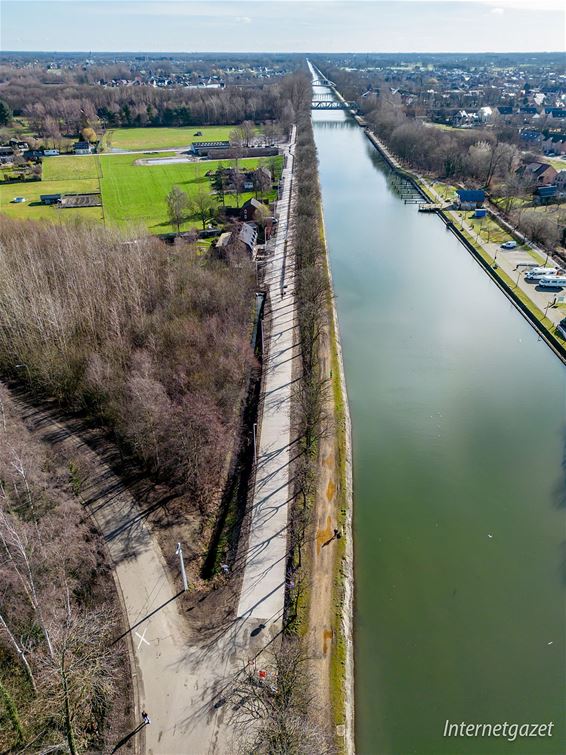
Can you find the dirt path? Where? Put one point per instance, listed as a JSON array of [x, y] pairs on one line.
[[331, 560], [327, 550]]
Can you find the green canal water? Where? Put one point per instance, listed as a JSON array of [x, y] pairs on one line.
[[459, 432]]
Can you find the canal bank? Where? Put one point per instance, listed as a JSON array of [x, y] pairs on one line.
[[451, 445], [520, 298]]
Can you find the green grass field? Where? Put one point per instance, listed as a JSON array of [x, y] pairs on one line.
[[131, 194], [68, 167], [162, 138], [556, 162], [32, 209], [136, 193]]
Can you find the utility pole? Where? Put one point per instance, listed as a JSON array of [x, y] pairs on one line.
[[255, 442], [179, 552]]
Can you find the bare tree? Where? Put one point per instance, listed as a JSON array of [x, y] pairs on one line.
[[202, 204], [78, 678], [276, 714], [177, 206]]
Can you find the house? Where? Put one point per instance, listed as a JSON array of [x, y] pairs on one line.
[[545, 194], [485, 114], [248, 235], [50, 198], [238, 243], [531, 135], [555, 112], [82, 148], [249, 208], [537, 174], [469, 199], [461, 118], [560, 181], [7, 155], [505, 110], [555, 145]]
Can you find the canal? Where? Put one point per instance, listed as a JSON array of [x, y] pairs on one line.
[[459, 420]]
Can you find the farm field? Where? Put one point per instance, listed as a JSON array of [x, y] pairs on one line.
[[131, 194], [32, 209], [136, 193], [162, 138], [68, 167]]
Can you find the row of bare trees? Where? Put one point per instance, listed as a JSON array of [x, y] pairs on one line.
[[152, 340], [56, 109], [313, 296], [57, 615]]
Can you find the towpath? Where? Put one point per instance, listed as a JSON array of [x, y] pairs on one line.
[[263, 588]]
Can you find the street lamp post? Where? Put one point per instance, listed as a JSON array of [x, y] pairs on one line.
[[179, 552]]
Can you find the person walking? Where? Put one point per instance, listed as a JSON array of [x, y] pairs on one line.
[[145, 718]]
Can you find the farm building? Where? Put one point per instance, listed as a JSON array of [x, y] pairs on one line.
[[545, 194], [50, 198], [202, 149]]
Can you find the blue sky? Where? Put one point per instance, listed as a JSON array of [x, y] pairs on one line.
[[288, 25]]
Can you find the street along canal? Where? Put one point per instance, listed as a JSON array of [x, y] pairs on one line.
[[459, 420]]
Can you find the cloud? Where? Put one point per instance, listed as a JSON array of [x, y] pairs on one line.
[[497, 11], [243, 19]]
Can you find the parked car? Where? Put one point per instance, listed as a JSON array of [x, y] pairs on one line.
[[18, 200], [561, 327], [509, 245]]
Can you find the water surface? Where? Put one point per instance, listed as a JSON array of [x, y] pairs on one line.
[[459, 421]]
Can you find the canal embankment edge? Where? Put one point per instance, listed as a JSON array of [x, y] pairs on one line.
[[343, 658]]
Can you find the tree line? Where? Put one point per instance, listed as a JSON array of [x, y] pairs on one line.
[[66, 107], [152, 341]]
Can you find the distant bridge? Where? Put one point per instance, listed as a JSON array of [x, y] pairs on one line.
[[333, 105]]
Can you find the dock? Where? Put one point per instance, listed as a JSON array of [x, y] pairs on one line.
[[427, 207]]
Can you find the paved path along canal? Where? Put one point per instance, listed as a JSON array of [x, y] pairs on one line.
[[459, 418]]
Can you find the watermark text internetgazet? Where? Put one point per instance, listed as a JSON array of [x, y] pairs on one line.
[[506, 730]]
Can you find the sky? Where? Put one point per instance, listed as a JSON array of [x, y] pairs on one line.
[[283, 25]]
